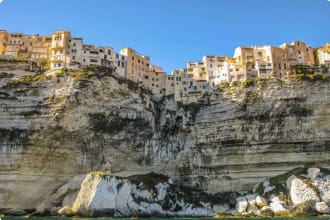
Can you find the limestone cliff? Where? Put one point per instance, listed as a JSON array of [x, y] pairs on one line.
[[56, 127]]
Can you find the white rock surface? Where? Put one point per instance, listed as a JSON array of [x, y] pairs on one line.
[[322, 207], [279, 207], [242, 204], [118, 196], [301, 192], [261, 201]]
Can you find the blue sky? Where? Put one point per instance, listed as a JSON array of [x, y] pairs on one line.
[[173, 32]]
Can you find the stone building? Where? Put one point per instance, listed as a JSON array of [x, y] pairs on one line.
[[137, 64]]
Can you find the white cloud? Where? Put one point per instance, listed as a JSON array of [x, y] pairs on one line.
[[1, 1]]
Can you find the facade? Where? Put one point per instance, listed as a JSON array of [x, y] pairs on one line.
[[213, 65], [3, 41], [75, 52], [280, 62], [186, 88], [138, 65], [323, 55], [299, 53], [41, 48], [197, 70], [155, 80], [60, 49], [169, 85]]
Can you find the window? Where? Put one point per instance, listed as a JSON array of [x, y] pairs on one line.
[[156, 74], [74, 44], [93, 60], [132, 57], [122, 64], [74, 51], [118, 63], [299, 52], [73, 57], [109, 52], [279, 66], [210, 65], [138, 60], [117, 56], [156, 85], [178, 78], [285, 66]]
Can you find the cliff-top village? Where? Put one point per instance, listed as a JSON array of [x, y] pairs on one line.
[[187, 84]]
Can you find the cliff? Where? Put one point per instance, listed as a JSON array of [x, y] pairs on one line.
[[55, 127]]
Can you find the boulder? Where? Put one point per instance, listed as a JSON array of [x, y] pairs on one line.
[[266, 211], [302, 190], [251, 198], [66, 211], [241, 204], [15, 212], [279, 207], [306, 208], [322, 208], [261, 201]]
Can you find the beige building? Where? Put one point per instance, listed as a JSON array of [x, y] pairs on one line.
[[3, 41], [299, 53], [155, 80], [41, 48], [197, 70], [60, 49], [323, 55], [169, 85], [186, 88], [138, 65]]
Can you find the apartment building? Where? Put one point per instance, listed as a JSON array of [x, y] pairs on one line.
[[323, 55], [60, 49], [169, 85], [213, 65], [41, 48], [138, 65], [299, 53], [155, 80], [280, 62], [3, 41], [186, 88], [75, 52], [197, 70]]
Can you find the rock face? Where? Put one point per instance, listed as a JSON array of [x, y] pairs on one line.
[[142, 195], [295, 193], [58, 127]]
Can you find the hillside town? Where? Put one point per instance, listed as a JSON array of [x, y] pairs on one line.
[[188, 84]]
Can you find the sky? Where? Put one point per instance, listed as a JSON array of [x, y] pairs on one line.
[[174, 32]]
